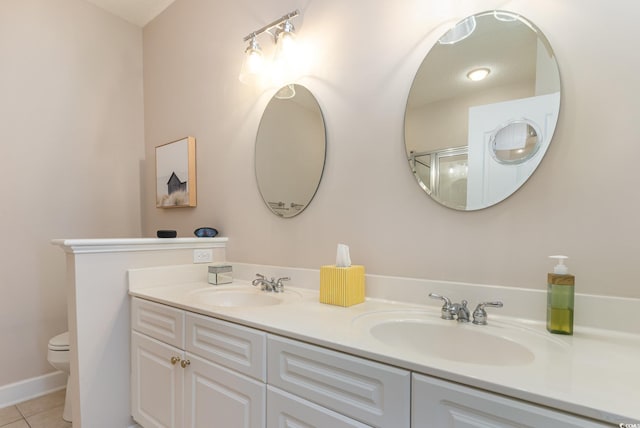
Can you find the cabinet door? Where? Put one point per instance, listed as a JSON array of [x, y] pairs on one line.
[[289, 411], [440, 404], [156, 383], [216, 397]]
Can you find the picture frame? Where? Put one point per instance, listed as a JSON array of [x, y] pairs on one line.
[[176, 174]]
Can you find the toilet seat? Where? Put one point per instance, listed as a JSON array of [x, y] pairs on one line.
[[59, 342]]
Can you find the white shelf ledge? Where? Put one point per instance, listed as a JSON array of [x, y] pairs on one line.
[[115, 245]]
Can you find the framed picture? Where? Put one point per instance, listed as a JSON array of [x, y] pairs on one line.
[[176, 174]]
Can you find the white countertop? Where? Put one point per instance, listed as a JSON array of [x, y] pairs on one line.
[[594, 373]]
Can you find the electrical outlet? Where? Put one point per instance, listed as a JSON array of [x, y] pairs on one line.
[[203, 256]]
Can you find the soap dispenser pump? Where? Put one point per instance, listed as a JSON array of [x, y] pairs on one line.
[[560, 296]]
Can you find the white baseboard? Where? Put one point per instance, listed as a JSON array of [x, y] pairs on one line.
[[27, 389]]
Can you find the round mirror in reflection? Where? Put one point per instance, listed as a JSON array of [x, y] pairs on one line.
[[290, 150], [515, 142], [491, 69]]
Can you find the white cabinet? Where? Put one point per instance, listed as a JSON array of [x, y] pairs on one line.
[[193, 371], [158, 321], [372, 393], [440, 404], [175, 388], [231, 345], [157, 378], [287, 410], [157, 383], [216, 397]]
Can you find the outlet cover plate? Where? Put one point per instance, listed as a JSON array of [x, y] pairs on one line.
[[203, 256]]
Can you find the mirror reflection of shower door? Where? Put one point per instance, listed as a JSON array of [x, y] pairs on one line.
[[421, 167], [449, 177]]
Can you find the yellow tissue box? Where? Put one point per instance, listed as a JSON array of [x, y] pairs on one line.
[[342, 286]]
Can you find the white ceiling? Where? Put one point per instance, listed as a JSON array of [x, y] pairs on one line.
[[138, 12]]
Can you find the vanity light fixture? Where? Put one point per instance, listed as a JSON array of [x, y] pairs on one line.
[[253, 64], [478, 74], [282, 31], [285, 41]]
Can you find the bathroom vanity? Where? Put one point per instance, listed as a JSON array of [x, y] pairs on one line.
[[200, 353], [224, 372]]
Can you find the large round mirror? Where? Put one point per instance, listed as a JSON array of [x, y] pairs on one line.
[[482, 110], [290, 150]]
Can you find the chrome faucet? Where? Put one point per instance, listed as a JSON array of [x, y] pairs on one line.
[[270, 285], [460, 311], [451, 310]]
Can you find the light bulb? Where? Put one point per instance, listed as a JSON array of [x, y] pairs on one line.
[[478, 74], [253, 65], [285, 62], [286, 41]]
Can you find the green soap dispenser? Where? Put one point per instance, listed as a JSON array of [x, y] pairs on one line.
[[560, 293]]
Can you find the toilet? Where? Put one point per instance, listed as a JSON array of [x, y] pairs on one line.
[[58, 357]]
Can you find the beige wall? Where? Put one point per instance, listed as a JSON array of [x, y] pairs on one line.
[[71, 135], [582, 201]]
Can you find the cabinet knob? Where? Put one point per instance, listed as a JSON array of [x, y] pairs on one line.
[[185, 363], [174, 360]]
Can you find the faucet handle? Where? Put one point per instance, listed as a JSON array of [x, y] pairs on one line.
[[480, 315], [258, 280], [445, 312], [279, 285]]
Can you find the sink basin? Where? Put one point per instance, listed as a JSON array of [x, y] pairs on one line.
[[458, 344], [232, 297], [425, 333]]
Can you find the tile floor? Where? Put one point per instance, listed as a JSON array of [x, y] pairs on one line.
[[41, 412]]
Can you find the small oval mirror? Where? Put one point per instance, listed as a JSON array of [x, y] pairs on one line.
[[516, 142], [290, 150]]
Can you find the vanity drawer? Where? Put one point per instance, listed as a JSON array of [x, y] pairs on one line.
[[440, 403], [372, 393], [239, 348], [287, 410], [158, 321]]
